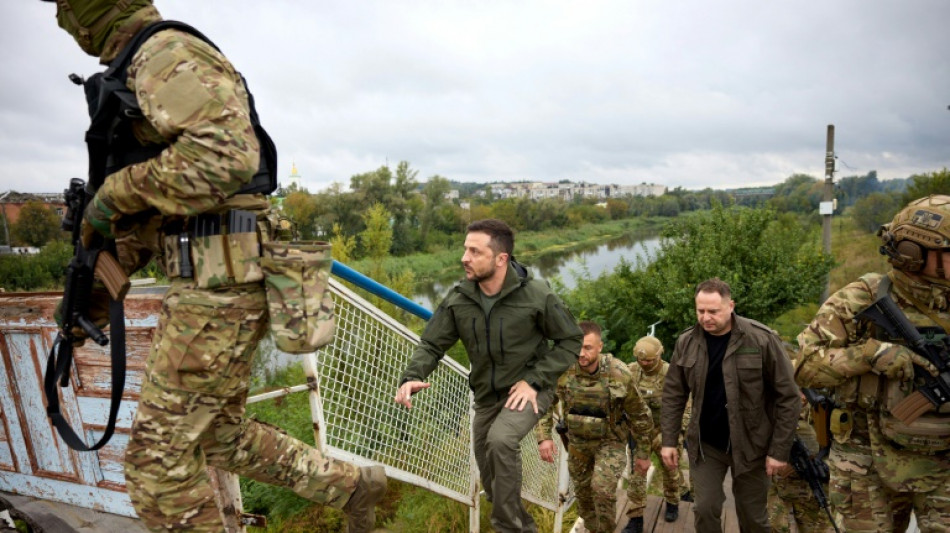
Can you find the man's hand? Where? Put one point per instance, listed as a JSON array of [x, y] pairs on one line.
[[100, 216], [548, 450], [520, 395], [897, 362], [640, 466], [774, 466], [405, 392], [670, 456]]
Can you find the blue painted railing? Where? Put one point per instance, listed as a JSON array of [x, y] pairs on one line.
[[372, 286]]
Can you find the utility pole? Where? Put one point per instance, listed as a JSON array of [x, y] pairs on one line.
[[826, 209]]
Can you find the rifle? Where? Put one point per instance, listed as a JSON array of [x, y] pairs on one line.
[[86, 266], [932, 392], [814, 471]]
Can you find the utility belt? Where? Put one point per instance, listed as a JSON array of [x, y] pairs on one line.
[[216, 250], [221, 250]]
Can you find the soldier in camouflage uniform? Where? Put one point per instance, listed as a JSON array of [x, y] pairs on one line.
[[191, 412], [649, 371], [602, 409], [790, 494], [881, 467]]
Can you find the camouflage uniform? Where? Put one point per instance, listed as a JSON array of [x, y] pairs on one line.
[[792, 494], [191, 413], [882, 469], [650, 386], [601, 411]]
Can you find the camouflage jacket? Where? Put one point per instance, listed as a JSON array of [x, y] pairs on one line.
[[611, 389], [763, 401], [834, 354], [529, 335], [651, 390], [193, 100]]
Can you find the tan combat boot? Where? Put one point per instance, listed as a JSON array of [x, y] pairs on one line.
[[361, 508]]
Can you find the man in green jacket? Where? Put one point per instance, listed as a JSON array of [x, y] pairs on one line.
[[520, 338], [745, 408]]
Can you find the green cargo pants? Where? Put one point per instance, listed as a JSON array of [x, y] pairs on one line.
[[497, 434]]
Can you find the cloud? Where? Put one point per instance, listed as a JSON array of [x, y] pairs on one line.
[[688, 93]]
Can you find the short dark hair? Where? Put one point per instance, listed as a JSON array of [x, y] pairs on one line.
[[589, 327], [714, 285], [501, 238]]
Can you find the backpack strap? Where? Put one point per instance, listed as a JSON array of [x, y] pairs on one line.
[[110, 101]]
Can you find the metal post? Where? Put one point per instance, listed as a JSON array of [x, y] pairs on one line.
[[828, 198], [475, 511], [6, 225]]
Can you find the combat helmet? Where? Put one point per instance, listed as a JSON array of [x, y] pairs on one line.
[[921, 226], [647, 351]]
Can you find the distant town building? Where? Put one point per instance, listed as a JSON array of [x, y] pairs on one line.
[[534, 190], [11, 202]]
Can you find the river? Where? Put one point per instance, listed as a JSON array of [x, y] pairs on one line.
[[592, 261]]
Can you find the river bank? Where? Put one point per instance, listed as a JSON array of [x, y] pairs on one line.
[[530, 246]]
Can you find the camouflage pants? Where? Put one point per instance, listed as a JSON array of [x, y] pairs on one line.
[[596, 467], [864, 502], [191, 416], [636, 484], [792, 495]]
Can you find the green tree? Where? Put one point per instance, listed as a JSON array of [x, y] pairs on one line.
[[433, 195], [616, 208], [301, 207], [875, 209], [918, 186], [36, 225], [377, 238], [800, 193], [342, 245]]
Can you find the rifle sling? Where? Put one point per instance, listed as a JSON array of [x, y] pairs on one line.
[[57, 368]]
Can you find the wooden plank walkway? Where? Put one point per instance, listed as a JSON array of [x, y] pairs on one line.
[[653, 521]]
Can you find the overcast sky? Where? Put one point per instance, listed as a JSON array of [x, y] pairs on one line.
[[677, 92]]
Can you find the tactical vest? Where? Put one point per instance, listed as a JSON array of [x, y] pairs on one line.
[[114, 108], [928, 434], [651, 388], [588, 402]]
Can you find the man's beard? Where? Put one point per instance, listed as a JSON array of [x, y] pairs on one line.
[[478, 278]]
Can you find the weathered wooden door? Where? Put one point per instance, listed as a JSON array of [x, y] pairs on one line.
[[34, 460]]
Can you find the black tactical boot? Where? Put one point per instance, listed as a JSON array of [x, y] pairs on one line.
[[686, 497], [672, 512], [361, 508], [635, 525]]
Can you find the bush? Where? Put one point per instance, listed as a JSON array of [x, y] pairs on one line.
[[44, 270]]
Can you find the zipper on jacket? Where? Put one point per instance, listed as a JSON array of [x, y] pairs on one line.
[[475, 334], [501, 338], [490, 357]]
